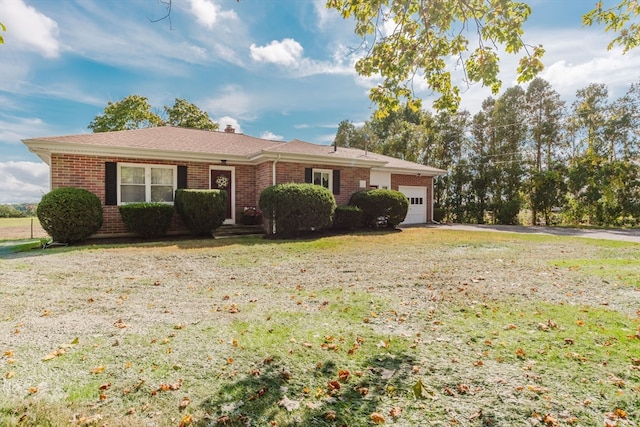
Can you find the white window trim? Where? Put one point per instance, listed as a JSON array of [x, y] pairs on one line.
[[147, 178], [329, 172]]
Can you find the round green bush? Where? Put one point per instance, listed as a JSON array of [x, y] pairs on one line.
[[347, 217], [148, 220], [70, 214], [389, 205], [297, 207], [203, 211]]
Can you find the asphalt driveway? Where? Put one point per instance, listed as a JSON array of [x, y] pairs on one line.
[[628, 235]]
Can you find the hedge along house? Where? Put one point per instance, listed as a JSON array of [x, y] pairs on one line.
[[150, 164]]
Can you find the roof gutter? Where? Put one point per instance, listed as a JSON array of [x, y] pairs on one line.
[[44, 150]]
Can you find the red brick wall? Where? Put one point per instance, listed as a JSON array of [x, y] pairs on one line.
[[245, 189], [349, 177], [416, 181], [70, 170]]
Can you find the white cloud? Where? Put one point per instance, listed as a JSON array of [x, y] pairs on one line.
[[271, 136], [23, 182], [231, 101], [13, 128], [30, 28], [286, 53], [224, 121], [207, 12], [577, 58], [327, 138]]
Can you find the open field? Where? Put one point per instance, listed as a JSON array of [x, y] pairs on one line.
[[424, 327], [20, 228]]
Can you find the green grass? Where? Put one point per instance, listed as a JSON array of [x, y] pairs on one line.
[[624, 271], [478, 323]]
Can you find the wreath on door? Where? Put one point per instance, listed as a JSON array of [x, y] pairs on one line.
[[222, 181]]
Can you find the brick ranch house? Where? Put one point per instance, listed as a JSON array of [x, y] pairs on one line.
[[150, 164]]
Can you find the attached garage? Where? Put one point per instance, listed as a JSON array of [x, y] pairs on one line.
[[417, 196]]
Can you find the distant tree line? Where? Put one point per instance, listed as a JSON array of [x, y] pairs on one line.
[[20, 210], [525, 150]]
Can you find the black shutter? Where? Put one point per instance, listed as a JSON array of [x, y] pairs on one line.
[[308, 175], [336, 181], [110, 183], [182, 177]]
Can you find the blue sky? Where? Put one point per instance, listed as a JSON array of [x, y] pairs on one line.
[[278, 69]]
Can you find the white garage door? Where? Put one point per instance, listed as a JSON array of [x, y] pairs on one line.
[[417, 196]]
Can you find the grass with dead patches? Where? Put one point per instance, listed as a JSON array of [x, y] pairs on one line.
[[417, 328]]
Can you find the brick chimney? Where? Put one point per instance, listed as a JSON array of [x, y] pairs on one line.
[[229, 129]]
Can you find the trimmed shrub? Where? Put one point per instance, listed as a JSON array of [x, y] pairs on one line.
[[70, 215], [295, 207], [347, 217], [148, 220], [388, 206], [202, 211]]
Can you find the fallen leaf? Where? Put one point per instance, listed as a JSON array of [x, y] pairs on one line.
[[477, 414], [463, 388], [344, 375], [620, 413], [386, 374], [184, 403], [98, 369], [395, 412], [288, 404], [330, 415], [550, 421], [186, 421], [334, 385], [377, 418], [421, 392]]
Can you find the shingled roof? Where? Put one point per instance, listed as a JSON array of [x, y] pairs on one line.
[[169, 142]]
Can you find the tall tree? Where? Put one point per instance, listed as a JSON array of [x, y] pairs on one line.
[[409, 38], [448, 150], [481, 149], [349, 136], [507, 156], [622, 132], [544, 112], [132, 112], [603, 172], [188, 115]]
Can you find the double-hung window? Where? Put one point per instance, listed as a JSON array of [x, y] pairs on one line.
[[323, 177], [146, 183]]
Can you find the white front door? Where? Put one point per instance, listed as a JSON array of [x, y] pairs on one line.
[[417, 196]]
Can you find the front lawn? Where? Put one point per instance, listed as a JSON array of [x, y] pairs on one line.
[[414, 328]]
